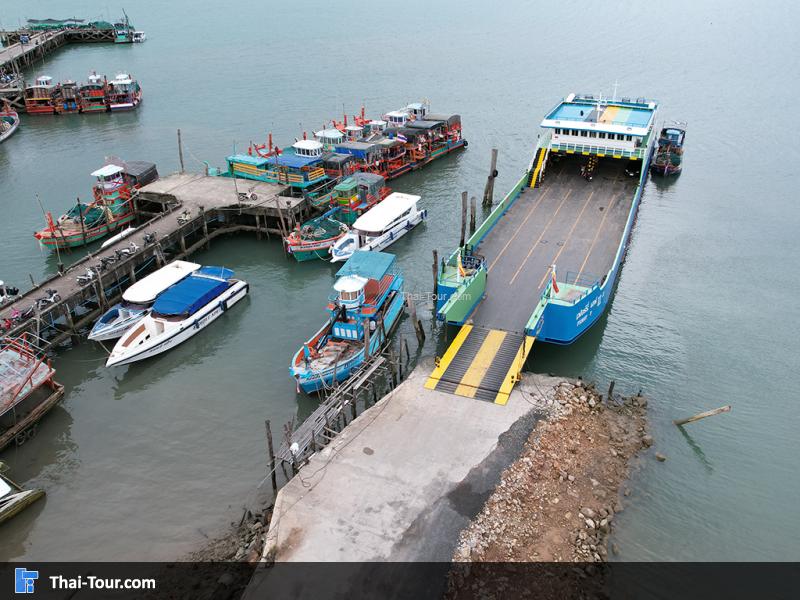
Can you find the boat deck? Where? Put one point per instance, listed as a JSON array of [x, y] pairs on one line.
[[568, 221]]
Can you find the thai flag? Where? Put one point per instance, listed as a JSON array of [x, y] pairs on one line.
[[553, 278], [402, 138]]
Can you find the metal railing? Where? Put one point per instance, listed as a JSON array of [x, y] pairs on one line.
[[638, 154]]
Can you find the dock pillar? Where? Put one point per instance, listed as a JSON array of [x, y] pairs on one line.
[[435, 268], [205, 227], [366, 339], [183, 244], [74, 337], [488, 191], [472, 209], [412, 312], [101, 292], [463, 218], [132, 274]]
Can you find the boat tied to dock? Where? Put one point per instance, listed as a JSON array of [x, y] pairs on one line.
[[362, 311]]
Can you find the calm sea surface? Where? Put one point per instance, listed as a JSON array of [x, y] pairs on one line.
[[144, 462]]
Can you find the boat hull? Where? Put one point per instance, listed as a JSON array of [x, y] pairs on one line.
[[190, 327], [315, 381], [73, 240], [13, 121]]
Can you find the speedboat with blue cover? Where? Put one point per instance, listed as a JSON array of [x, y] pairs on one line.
[[364, 308], [138, 300], [179, 313]]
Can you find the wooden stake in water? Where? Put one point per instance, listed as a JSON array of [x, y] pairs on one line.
[[472, 209], [180, 150], [463, 218], [435, 276], [703, 415], [488, 191]]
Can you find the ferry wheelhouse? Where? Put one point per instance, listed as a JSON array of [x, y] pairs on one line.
[[67, 98], [124, 93], [583, 188], [363, 310], [39, 96], [93, 94]]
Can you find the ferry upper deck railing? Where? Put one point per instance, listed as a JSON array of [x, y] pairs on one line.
[[637, 154]]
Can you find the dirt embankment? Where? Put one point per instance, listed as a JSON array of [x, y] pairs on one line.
[[558, 501]]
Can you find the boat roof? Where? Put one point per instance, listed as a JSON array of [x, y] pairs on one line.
[[333, 157], [146, 290], [357, 145], [192, 293], [107, 171], [350, 283], [372, 265], [329, 133], [397, 113], [423, 124], [288, 158], [368, 178], [609, 115], [137, 168], [307, 145], [383, 213]]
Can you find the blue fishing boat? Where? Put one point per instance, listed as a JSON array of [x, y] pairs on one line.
[[365, 306]]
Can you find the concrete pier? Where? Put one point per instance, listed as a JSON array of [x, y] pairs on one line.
[[405, 477]]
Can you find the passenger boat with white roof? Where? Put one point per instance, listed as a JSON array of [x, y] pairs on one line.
[[124, 93]]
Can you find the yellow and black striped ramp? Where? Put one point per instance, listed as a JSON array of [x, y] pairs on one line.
[[481, 363]]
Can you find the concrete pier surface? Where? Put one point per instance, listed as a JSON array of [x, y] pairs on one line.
[[405, 477]]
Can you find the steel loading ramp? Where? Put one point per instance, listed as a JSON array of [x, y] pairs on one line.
[[481, 363]]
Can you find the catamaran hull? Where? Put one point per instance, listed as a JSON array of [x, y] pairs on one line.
[[190, 327], [318, 380], [388, 238]]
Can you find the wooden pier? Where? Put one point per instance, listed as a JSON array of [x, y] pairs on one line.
[[183, 212], [17, 56]]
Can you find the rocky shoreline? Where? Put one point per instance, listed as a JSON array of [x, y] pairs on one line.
[[558, 501]]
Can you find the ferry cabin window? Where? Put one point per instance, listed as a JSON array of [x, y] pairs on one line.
[[602, 135], [575, 132], [619, 137], [592, 134], [628, 138]]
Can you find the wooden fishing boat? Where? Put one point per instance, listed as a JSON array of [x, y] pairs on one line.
[[28, 389], [9, 122], [668, 157], [93, 94], [314, 238], [67, 98], [124, 93], [111, 208], [39, 96]]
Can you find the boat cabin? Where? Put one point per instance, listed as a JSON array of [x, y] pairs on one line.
[[329, 138], [95, 80], [376, 126], [363, 151], [308, 148], [396, 118], [671, 136], [43, 81], [418, 109], [354, 132], [299, 165], [122, 84], [601, 126], [382, 217], [362, 285], [109, 177]]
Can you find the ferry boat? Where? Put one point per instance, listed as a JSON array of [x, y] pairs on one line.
[[138, 299], [581, 193], [179, 313], [28, 389], [93, 94], [39, 96], [365, 307], [9, 122], [124, 93], [67, 98], [315, 237], [669, 153], [111, 208], [381, 226]]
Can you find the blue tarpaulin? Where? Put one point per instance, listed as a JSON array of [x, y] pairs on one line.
[[372, 265], [191, 294]]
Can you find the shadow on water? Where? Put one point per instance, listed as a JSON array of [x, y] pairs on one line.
[[698, 451], [662, 183]]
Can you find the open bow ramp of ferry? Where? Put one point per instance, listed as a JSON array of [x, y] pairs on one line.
[[544, 263]]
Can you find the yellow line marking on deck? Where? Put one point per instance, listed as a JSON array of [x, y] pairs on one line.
[[513, 372], [445, 361], [546, 227], [511, 239], [481, 363], [569, 236], [597, 234]]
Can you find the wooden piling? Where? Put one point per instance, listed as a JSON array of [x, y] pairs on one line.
[[435, 269], [353, 410], [132, 275], [611, 390], [180, 150], [412, 312], [703, 415], [271, 454], [205, 226], [472, 210], [366, 339], [488, 191], [463, 219], [71, 324]]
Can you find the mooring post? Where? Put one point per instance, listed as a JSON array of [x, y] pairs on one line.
[[435, 269], [488, 191], [366, 338], [313, 441], [182, 241], [258, 227], [472, 209], [408, 354], [400, 355], [180, 150], [463, 218], [71, 324], [132, 274], [271, 453], [205, 226], [412, 312], [611, 390], [101, 292], [353, 410]]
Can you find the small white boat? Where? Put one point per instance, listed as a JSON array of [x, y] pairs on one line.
[[380, 226], [139, 36], [138, 300], [179, 313], [120, 236]]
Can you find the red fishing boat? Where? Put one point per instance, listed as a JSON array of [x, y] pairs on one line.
[[93, 94], [39, 96]]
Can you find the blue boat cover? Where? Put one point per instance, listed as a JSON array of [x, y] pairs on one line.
[[372, 265], [189, 295], [288, 158]]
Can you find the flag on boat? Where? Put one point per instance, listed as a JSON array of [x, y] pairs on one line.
[[553, 277], [462, 272], [401, 137]]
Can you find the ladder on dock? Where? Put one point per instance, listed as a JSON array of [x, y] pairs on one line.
[[482, 363]]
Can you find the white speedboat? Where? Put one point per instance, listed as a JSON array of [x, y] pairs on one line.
[[138, 300], [380, 226], [179, 313]]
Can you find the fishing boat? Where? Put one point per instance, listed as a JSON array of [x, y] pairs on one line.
[[93, 94], [13, 498], [9, 122], [380, 226], [124, 93], [111, 208], [39, 96], [356, 194], [314, 238], [669, 153], [138, 299], [67, 98], [28, 389], [366, 305], [179, 313]]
